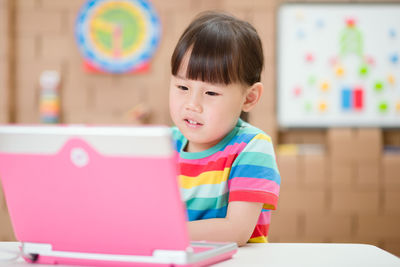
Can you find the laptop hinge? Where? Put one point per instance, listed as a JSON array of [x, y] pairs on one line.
[[159, 256]]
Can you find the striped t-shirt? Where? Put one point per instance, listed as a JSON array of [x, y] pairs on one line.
[[241, 167]]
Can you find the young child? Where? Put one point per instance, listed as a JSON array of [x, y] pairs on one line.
[[228, 173]]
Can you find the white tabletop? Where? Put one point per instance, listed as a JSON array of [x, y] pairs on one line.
[[274, 254], [310, 255]]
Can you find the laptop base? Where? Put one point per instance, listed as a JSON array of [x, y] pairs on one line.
[[198, 254]]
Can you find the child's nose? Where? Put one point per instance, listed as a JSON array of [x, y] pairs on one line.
[[194, 104]]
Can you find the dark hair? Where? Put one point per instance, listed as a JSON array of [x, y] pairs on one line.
[[223, 48]]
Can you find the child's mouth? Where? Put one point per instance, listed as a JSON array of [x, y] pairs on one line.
[[192, 123]]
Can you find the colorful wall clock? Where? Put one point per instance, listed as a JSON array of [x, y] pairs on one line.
[[117, 36]]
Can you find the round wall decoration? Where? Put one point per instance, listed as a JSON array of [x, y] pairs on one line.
[[117, 36]]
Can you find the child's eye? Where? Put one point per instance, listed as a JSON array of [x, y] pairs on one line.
[[212, 93], [182, 87]]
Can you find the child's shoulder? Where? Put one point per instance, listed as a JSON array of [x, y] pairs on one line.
[[257, 144], [251, 132]]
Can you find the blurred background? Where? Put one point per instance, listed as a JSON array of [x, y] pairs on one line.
[[340, 183]]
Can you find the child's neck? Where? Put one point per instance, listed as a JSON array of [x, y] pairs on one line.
[[199, 147]]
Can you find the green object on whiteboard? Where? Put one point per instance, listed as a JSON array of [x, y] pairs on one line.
[[351, 42], [383, 107], [364, 70], [308, 106], [378, 86], [312, 79]]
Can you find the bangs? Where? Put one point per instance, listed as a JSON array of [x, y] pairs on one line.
[[211, 61], [211, 57]]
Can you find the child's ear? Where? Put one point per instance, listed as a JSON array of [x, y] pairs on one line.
[[253, 95]]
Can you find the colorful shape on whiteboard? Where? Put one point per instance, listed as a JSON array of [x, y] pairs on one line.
[[297, 91], [378, 86], [325, 86], [391, 79], [352, 99], [394, 58], [351, 40], [320, 23], [358, 98], [364, 70], [312, 80], [308, 106], [383, 107], [346, 98], [300, 34], [333, 61], [350, 22], [392, 33], [370, 60], [309, 57], [339, 71], [322, 106], [398, 106]]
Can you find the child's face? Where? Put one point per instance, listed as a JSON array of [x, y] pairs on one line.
[[205, 113]]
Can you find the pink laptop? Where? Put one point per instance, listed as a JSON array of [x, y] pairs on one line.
[[91, 195]]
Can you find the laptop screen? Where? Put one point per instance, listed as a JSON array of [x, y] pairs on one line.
[[93, 189]]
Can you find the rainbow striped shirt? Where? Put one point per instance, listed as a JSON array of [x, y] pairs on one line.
[[242, 167]]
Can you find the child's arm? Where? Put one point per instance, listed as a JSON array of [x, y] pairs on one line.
[[241, 218]]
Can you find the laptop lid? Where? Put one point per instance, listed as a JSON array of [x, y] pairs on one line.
[[93, 189]]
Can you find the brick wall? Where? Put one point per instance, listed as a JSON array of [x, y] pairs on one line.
[[349, 192], [3, 61], [6, 232], [336, 195]]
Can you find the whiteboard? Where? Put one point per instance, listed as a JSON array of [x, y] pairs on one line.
[[338, 65]]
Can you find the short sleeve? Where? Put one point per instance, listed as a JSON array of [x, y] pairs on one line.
[[254, 176]]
